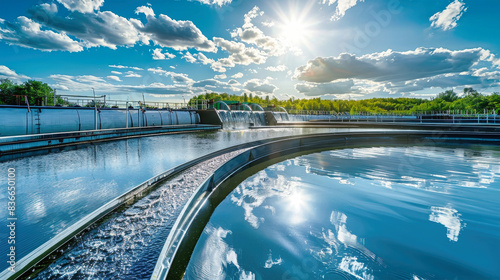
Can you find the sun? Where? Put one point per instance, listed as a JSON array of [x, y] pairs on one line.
[[293, 31], [295, 26]]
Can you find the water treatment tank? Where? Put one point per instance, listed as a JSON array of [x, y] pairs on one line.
[[152, 118], [113, 119], [166, 117], [183, 117], [13, 121], [16, 120], [49, 120]]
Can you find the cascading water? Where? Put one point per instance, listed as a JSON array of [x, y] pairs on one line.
[[241, 119], [281, 116]]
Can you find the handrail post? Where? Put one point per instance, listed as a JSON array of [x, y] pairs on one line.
[[95, 111], [126, 122]]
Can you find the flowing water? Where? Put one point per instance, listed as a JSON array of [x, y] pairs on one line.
[[281, 116], [128, 244], [241, 119], [365, 213]]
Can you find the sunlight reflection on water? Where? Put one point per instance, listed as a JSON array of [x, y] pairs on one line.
[[366, 213]]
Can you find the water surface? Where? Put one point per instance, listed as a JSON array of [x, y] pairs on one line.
[[365, 213], [56, 190]]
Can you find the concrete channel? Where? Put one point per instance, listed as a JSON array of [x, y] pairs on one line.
[[33, 142]]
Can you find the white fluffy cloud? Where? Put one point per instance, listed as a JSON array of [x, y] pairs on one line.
[[204, 59], [125, 67], [158, 55], [208, 83], [27, 33], [333, 88], [220, 77], [215, 85], [177, 34], [342, 6], [479, 79], [260, 86], [177, 78], [251, 34], [237, 75], [85, 83], [392, 72], [279, 68], [239, 54], [114, 78], [189, 57], [390, 66], [6, 73], [94, 29], [219, 3], [234, 82], [82, 6], [448, 18], [131, 74]]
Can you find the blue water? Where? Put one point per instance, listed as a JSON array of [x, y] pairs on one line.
[[365, 213], [58, 189]]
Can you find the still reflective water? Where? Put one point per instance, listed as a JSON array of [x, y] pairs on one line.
[[56, 190], [366, 213]]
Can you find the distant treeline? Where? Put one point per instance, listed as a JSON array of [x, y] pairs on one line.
[[471, 101], [39, 93]]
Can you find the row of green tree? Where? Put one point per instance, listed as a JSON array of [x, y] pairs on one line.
[[38, 93], [470, 101]]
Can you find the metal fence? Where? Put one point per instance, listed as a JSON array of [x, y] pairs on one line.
[[103, 102]]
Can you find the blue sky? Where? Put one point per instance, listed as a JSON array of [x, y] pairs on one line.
[[174, 49]]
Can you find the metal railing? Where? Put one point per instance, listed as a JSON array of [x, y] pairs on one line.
[[437, 118], [396, 113], [103, 102]]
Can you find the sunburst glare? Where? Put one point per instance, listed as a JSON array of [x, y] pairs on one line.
[[295, 27], [293, 31]]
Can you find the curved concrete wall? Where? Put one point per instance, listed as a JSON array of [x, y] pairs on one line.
[[16, 120]]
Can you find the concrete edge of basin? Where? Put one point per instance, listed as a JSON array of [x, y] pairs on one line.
[[25, 143]]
